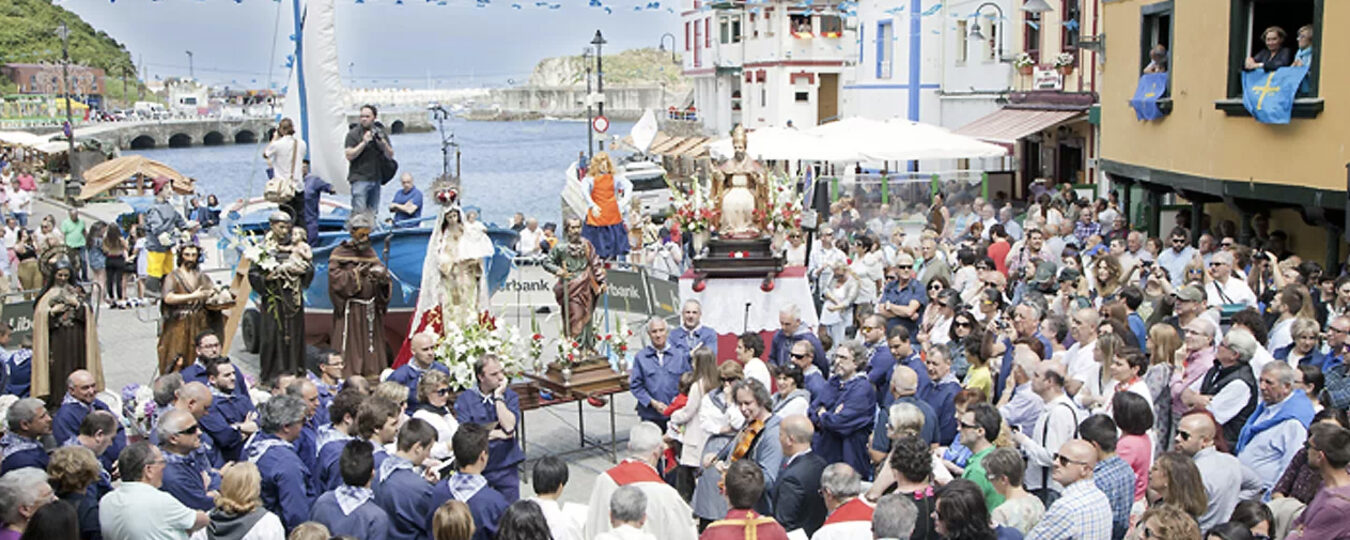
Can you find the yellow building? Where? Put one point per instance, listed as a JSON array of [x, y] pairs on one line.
[[1048, 123], [1207, 149]]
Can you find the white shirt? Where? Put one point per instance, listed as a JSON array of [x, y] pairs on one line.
[[1259, 361], [1080, 363], [268, 527], [446, 426], [1281, 335], [1233, 291], [560, 523], [281, 156], [139, 511], [624, 532], [1228, 402], [758, 370], [528, 244], [1057, 425], [20, 201]]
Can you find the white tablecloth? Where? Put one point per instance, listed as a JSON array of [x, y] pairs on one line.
[[725, 299]]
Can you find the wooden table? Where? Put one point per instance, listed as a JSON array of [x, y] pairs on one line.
[[591, 379]]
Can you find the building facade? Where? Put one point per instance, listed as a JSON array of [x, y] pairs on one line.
[[1238, 175], [771, 63], [85, 81], [1048, 121]]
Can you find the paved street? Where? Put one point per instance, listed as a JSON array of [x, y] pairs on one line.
[[128, 339]]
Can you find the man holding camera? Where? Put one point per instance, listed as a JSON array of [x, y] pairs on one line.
[[364, 145]]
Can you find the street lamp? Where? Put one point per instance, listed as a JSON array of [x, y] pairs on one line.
[[192, 74], [351, 72], [976, 35], [672, 45], [599, 42], [72, 181]]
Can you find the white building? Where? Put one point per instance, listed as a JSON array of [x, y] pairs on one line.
[[762, 64], [922, 60]]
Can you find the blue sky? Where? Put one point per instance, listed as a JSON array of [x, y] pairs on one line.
[[391, 45]]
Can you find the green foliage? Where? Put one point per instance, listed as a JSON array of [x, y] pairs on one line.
[[633, 66], [28, 35]]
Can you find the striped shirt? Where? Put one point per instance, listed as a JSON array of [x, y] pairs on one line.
[[1083, 513]]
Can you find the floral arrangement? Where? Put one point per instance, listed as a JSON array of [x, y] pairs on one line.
[[253, 249], [694, 209], [1023, 60], [619, 339], [785, 205], [1064, 59], [138, 408], [535, 346], [462, 344], [569, 352]]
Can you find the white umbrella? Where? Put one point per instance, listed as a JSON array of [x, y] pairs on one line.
[[902, 140], [786, 144]]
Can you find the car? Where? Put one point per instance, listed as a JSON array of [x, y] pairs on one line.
[[649, 187]]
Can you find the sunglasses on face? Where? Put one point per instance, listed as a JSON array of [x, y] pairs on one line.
[[968, 426], [798, 356], [1185, 436], [904, 266], [935, 287], [190, 430], [442, 391], [1064, 461]]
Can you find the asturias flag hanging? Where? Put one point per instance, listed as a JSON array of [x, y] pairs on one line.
[[1269, 95], [1145, 100]]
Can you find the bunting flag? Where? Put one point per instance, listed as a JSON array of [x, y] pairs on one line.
[[1145, 101], [1269, 95]]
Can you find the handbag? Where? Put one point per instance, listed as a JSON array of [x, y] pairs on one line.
[[281, 190], [388, 168]]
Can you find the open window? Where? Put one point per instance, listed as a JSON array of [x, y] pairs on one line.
[[801, 24], [993, 35], [1072, 16], [1031, 36], [1156, 34], [961, 38], [831, 26], [1248, 22]]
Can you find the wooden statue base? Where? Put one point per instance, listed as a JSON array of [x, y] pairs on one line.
[[738, 258]]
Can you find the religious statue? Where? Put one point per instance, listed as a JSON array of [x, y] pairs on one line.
[[359, 286], [162, 222], [453, 287], [281, 286], [740, 187], [65, 334], [183, 311], [607, 195], [581, 279]]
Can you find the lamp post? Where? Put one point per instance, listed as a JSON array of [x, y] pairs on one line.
[[672, 45], [976, 35], [590, 131], [71, 179], [351, 72], [599, 43], [192, 73]]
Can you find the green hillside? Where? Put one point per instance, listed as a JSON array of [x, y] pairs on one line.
[[28, 35]]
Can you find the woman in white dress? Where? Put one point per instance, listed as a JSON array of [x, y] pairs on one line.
[[686, 419], [433, 395], [720, 418], [837, 311]]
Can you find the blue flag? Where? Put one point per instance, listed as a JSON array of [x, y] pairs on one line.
[[1269, 95], [1145, 100]]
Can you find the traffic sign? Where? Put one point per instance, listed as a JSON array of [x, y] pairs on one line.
[[600, 124]]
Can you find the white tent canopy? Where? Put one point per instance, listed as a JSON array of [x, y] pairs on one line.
[[861, 140]]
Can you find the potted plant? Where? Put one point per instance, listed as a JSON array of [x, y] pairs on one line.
[[1064, 62], [1024, 63]]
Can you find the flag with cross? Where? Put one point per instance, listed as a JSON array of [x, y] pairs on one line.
[[1269, 95]]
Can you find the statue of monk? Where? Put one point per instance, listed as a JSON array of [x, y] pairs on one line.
[[740, 186], [65, 335], [581, 279], [359, 286]]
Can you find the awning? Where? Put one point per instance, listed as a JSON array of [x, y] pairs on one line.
[[138, 169], [1006, 126]]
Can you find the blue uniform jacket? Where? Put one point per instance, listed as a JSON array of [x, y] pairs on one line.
[[327, 474], [780, 349], [224, 411], [66, 424], [880, 366], [35, 456], [408, 375], [405, 498], [197, 373], [20, 367], [472, 408], [688, 340], [882, 443], [368, 521], [486, 507], [307, 448], [285, 485], [845, 425], [650, 380], [902, 296], [183, 480], [941, 396], [1317, 358]]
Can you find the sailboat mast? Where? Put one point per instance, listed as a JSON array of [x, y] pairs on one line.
[[300, 71]]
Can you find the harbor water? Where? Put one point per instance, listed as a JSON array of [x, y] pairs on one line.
[[506, 167]]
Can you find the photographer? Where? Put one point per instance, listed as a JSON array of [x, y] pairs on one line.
[[365, 145], [285, 157]]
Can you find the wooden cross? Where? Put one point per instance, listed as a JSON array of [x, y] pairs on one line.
[[1264, 90]]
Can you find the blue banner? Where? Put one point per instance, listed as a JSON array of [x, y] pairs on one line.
[[1145, 100], [1269, 95]]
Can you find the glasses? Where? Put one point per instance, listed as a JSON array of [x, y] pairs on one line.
[[1226, 244], [904, 266], [1184, 435], [442, 391], [1335, 330], [892, 277], [962, 324], [190, 430], [1064, 461], [1216, 263], [935, 287], [798, 356], [729, 379], [964, 425], [1178, 241], [866, 328]]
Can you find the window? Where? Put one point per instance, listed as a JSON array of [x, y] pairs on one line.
[[885, 48], [802, 97], [686, 36], [1031, 36], [736, 29], [801, 23], [754, 27], [763, 95], [993, 35], [707, 32], [1068, 33], [1248, 21], [724, 25], [831, 26], [1157, 30], [962, 36], [698, 50]]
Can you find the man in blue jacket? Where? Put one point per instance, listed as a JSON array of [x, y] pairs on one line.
[[468, 485], [495, 406], [286, 490], [80, 400], [179, 436], [423, 347], [350, 508], [28, 422], [401, 485], [230, 420], [655, 376], [691, 333], [791, 330]]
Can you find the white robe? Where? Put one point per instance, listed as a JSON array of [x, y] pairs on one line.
[[668, 516]]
